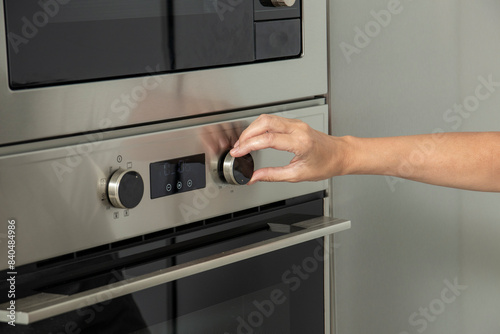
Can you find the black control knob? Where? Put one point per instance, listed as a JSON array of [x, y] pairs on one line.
[[277, 3], [125, 189], [237, 171]]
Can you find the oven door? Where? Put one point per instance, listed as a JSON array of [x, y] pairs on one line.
[[261, 273]]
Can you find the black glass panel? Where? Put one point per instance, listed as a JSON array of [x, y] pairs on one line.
[[64, 41], [279, 292], [177, 175]]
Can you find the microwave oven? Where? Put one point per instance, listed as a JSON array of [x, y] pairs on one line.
[[73, 67]]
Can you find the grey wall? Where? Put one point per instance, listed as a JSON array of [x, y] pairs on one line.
[[410, 242]]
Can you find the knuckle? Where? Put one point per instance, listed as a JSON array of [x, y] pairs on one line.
[[303, 127], [306, 140], [265, 119]]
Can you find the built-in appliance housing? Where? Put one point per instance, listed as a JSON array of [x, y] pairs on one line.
[[122, 74], [117, 117]]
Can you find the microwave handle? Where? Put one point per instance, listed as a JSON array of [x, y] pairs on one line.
[[46, 305]]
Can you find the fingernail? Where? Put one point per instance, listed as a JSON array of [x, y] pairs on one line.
[[234, 150], [237, 144]]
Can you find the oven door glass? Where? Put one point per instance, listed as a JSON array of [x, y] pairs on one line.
[[279, 291], [55, 41]]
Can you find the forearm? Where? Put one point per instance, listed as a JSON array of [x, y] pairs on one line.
[[460, 160]]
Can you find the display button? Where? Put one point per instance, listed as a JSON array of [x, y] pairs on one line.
[[190, 183], [179, 185], [169, 187]]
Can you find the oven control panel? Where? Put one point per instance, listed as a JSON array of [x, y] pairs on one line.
[[125, 188], [102, 191]]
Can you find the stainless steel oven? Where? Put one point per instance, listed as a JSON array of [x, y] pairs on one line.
[[121, 210], [179, 249]]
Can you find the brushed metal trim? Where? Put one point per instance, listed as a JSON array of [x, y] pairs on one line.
[[28, 312], [227, 168], [229, 172], [114, 186], [163, 126], [328, 269]]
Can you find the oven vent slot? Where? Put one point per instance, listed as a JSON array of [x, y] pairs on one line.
[[55, 260], [91, 251], [160, 234], [189, 227], [219, 219], [126, 242], [246, 212]]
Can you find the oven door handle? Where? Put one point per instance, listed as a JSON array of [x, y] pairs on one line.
[[46, 305]]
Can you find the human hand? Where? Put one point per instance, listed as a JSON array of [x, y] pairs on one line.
[[317, 155]]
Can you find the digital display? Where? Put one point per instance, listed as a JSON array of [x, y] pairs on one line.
[[177, 175]]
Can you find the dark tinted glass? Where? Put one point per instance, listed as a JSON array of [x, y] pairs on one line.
[[62, 41], [278, 292]]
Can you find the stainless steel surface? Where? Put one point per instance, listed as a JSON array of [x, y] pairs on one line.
[[98, 106], [66, 180], [328, 251], [227, 169], [44, 306], [69, 209]]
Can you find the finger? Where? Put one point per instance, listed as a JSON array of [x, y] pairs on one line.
[[267, 123], [274, 174], [278, 141]]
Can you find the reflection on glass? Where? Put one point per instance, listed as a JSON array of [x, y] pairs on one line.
[[263, 311], [80, 40]]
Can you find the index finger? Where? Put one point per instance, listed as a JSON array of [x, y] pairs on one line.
[[266, 123]]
